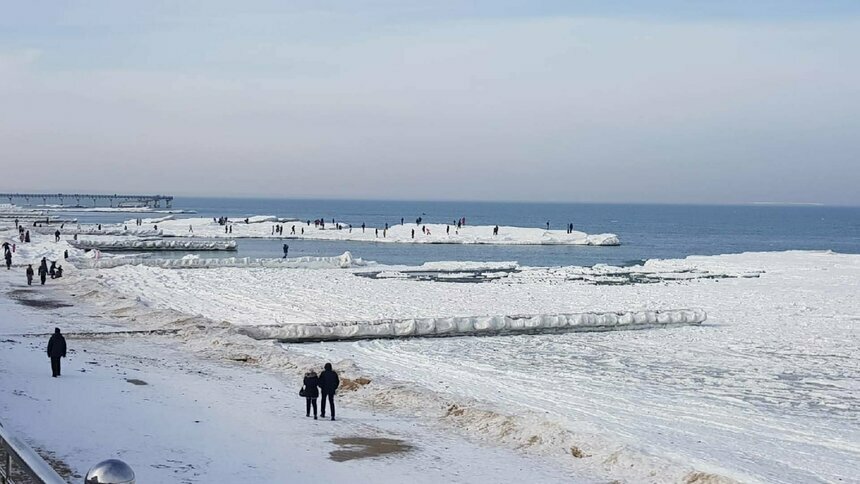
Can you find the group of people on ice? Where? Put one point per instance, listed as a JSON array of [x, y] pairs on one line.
[[55, 271]]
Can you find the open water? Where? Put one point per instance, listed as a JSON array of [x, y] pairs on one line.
[[646, 231]]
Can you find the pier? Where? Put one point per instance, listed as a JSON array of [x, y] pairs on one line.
[[115, 200]]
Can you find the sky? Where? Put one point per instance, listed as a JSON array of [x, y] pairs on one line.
[[572, 101]]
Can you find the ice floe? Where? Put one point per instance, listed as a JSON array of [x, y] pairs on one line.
[[477, 325]]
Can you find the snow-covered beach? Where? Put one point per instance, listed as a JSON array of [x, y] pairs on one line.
[[764, 390]]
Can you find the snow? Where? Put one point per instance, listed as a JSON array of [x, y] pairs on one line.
[[476, 325], [191, 261], [175, 417], [261, 227], [765, 391], [155, 244]]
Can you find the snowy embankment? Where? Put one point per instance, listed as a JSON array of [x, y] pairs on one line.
[[159, 244], [262, 227], [447, 234], [767, 391], [115, 230], [343, 261], [477, 325]]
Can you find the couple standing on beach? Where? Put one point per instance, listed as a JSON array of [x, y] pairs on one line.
[[327, 382]]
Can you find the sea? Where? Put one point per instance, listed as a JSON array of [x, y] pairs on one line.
[[646, 231]]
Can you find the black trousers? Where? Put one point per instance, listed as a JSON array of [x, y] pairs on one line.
[[311, 402], [43, 277], [55, 366], [330, 397]]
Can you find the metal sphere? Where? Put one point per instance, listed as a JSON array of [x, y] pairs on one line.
[[111, 471]]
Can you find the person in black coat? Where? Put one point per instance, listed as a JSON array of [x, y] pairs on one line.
[[29, 274], [329, 382], [43, 270], [311, 383], [56, 350]]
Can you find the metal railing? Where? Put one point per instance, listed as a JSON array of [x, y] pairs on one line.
[[24, 459]]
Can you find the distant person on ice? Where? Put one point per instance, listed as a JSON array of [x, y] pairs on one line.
[[57, 236], [286, 250], [328, 382], [43, 270], [311, 382], [8, 257], [56, 350], [29, 274]]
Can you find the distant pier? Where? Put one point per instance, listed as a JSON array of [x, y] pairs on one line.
[[115, 200]]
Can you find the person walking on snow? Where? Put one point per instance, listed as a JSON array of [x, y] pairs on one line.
[[311, 382], [57, 236], [43, 270], [53, 270], [328, 382], [286, 250], [56, 350], [8, 257], [29, 274]]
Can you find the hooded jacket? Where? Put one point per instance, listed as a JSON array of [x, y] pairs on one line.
[[329, 380], [57, 345]]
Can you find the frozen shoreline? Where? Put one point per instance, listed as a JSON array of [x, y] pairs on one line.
[[737, 291], [261, 227], [774, 359]]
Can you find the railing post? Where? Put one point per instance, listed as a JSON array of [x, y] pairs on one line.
[[8, 466]]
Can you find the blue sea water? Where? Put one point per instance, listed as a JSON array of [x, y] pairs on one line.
[[646, 231]]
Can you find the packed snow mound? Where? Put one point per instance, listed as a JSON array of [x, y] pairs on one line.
[[449, 234], [193, 261], [157, 244], [264, 226], [467, 266], [476, 325], [94, 230]]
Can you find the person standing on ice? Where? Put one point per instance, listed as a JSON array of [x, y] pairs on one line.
[[29, 274], [286, 250], [27, 236], [329, 382], [311, 382], [547, 224], [413, 233], [43, 270], [8, 257], [56, 350], [53, 270], [57, 236]]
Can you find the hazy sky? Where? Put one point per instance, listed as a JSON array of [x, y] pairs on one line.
[[676, 101]]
